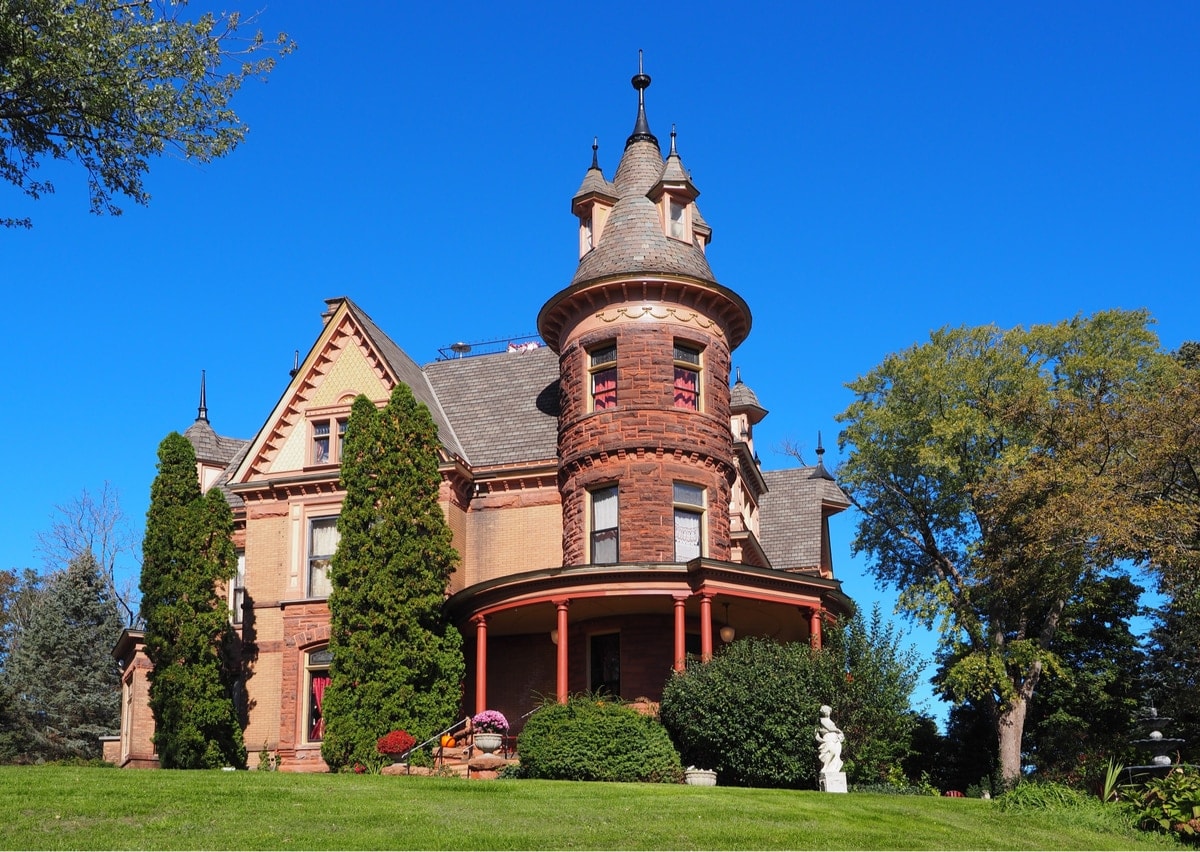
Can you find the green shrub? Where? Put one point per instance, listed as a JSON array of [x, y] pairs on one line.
[[1172, 804], [596, 739], [751, 712], [1042, 795]]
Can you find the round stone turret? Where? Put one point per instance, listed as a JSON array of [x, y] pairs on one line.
[[644, 334]]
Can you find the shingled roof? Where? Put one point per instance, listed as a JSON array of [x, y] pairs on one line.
[[790, 516], [504, 407]]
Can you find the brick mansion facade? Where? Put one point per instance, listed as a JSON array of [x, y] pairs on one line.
[[611, 520]]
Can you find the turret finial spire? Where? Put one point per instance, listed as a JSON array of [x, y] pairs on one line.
[[673, 153], [641, 127], [202, 412], [595, 152]]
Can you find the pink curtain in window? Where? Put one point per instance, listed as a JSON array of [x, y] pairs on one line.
[[318, 691], [687, 386]]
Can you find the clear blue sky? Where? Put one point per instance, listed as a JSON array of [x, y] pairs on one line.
[[870, 171]]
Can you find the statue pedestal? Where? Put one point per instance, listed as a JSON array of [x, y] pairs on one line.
[[832, 782]]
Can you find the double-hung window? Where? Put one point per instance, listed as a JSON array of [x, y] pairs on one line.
[[602, 366], [689, 521], [328, 437], [687, 377], [322, 542], [605, 538]]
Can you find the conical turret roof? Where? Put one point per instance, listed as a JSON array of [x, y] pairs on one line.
[[633, 240]]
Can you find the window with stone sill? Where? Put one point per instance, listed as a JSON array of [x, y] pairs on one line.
[[322, 542], [602, 368], [605, 540], [316, 679], [687, 377], [689, 521]]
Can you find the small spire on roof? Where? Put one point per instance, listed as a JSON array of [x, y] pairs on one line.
[[641, 127], [820, 472], [595, 150], [202, 413], [295, 364], [673, 153], [739, 376]]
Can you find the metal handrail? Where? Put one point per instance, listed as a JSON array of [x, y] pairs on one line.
[[407, 756]]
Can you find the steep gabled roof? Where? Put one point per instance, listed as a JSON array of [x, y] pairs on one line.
[[791, 516], [406, 370]]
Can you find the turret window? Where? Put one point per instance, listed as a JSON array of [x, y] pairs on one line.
[[677, 222], [689, 521], [687, 377], [605, 536], [602, 364]]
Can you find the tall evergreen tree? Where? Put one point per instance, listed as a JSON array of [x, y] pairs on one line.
[[188, 549], [65, 682], [396, 662]]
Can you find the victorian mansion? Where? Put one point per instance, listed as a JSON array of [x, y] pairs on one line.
[[612, 520]]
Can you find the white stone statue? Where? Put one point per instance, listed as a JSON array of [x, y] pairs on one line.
[[829, 738]]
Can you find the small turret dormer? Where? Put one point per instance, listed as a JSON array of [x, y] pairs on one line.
[[675, 196], [592, 203]]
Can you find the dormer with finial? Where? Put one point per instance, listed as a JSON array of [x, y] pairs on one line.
[[675, 196], [592, 203]]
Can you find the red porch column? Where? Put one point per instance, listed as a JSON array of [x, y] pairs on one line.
[[480, 663], [814, 627], [680, 633], [706, 627], [561, 669]]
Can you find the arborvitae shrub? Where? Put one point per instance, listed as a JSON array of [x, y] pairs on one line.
[[596, 739]]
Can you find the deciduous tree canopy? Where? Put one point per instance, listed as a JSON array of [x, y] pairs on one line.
[[111, 84], [996, 469]]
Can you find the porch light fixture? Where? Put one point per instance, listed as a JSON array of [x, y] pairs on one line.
[[554, 635], [727, 632]]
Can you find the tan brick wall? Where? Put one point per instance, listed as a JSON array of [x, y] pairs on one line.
[[506, 536]]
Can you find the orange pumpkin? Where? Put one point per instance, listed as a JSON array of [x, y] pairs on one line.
[[448, 741]]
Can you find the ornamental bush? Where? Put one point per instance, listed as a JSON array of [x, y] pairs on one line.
[[751, 712], [596, 739]]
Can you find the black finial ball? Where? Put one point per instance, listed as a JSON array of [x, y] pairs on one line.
[[641, 81]]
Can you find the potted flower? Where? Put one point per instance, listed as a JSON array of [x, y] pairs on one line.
[[490, 726], [394, 743]]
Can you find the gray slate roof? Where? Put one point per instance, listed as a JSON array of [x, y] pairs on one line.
[[633, 240], [790, 517], [504, 407], [211, 447]]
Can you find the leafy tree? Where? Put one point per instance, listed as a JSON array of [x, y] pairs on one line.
[[96, 524], [750, 712], [988, 467], [1173, 666], [396, 663], [65, 681], [1077, 721], [111, 84], [188, 550]]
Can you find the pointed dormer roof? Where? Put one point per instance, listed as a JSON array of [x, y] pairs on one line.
[[594, 185], [210, 447], [633, 241], [743, 399]]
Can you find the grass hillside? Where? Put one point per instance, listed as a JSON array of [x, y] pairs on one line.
[[57, 807]]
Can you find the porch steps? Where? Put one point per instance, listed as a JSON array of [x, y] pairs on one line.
[[458, 762]]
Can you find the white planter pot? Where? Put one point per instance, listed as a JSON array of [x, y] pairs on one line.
[[700, 777]]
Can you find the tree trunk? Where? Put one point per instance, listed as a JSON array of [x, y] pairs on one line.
[[1010, 728]]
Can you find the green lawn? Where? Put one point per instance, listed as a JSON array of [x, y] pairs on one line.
[[94, 808]]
